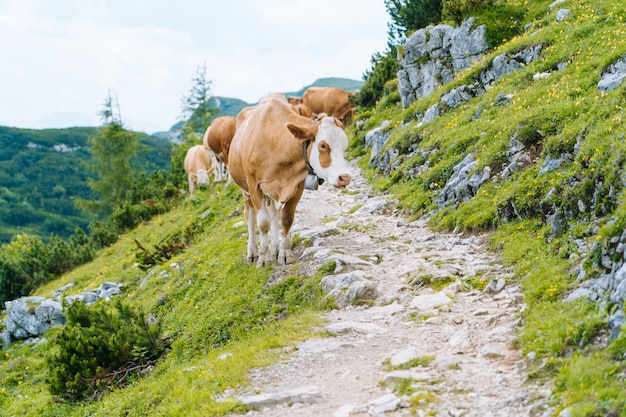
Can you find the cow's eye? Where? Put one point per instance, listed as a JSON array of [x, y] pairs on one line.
[[324, 146]]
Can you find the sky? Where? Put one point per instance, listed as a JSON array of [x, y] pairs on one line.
[[60, 59]]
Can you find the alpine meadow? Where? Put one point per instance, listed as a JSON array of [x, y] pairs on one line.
[[520, 142]]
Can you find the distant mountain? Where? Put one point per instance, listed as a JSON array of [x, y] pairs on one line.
[[41, 170], [232, 106]]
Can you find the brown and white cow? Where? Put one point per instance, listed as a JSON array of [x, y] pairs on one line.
[[303, 110], [197, 166], [294, 100], [330, 100], [216, 141], [273, 95], [268, 160]]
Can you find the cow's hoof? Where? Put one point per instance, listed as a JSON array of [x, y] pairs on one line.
[[286, 257], [263, 261], [252, 259]]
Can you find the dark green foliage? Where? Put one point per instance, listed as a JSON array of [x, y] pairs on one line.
[[100, 347], [407, 16], [459, 10], [502, 22], [28, 262], [169, 246], [112, 149], [41, 171], [198, 106], [384, 68]]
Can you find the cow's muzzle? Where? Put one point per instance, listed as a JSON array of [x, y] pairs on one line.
[[343, 180]]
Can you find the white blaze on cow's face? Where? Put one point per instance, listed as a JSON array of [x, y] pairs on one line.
[[327, 154]]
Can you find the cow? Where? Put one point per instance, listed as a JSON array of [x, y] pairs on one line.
[[294, 100], [216, 141], [303, 110], [330, 100], [273, 95], [197, 166], [272, 152]]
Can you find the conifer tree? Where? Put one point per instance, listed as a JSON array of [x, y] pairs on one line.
[[112, 149], [197, 111], [99, 347]]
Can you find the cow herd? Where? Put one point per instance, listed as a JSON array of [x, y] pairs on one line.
[[272, 151]]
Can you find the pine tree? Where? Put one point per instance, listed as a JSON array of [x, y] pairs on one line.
[[197, 111], [112, 149]]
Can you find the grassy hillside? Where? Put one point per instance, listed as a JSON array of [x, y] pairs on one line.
[[222, 319], [558, 116], [40, 172], [215, 305]]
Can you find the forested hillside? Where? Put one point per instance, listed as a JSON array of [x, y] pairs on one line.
[[42, 170]]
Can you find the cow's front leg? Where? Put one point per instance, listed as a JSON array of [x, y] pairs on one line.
[[263, 221], [250, 214], [285, 255], [274, 209]]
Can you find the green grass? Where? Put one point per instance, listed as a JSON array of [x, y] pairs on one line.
[[217, 306], [223, 320], [563, 113]]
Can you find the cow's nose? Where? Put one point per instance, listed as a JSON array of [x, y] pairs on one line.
[[344, 179]]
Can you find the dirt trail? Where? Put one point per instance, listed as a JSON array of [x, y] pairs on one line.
[[416, 351]]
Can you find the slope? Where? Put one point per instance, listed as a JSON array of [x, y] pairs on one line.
[[225, 320]]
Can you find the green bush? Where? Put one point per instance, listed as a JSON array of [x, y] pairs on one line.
[[384, 68], [100, 347], [459, 10]]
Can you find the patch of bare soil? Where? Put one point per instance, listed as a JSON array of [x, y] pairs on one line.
[[410, 350]]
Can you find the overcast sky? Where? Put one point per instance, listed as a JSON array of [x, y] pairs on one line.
[[60, 58]]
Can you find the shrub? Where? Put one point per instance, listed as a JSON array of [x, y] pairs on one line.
[[100, 347], [384, 68]]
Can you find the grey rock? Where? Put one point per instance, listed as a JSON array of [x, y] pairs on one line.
[[333, 283], [430, 301], [613, 77], [298, 395], [550, 164], [355, 327], [383, 404], [562, 15], [495, 286]]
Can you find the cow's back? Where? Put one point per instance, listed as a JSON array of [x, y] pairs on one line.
[[330, 100], [219, 136]]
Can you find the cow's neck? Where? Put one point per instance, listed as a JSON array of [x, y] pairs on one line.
[[305, 152]]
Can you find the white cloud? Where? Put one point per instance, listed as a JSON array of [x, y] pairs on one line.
[[59, 59]]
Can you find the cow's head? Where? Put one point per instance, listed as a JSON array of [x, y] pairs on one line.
[[203, 177], [327, 150]]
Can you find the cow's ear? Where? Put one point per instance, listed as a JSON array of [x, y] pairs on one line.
[[302, 133]]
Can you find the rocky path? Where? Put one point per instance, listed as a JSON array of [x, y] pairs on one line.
[[410, 350]]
